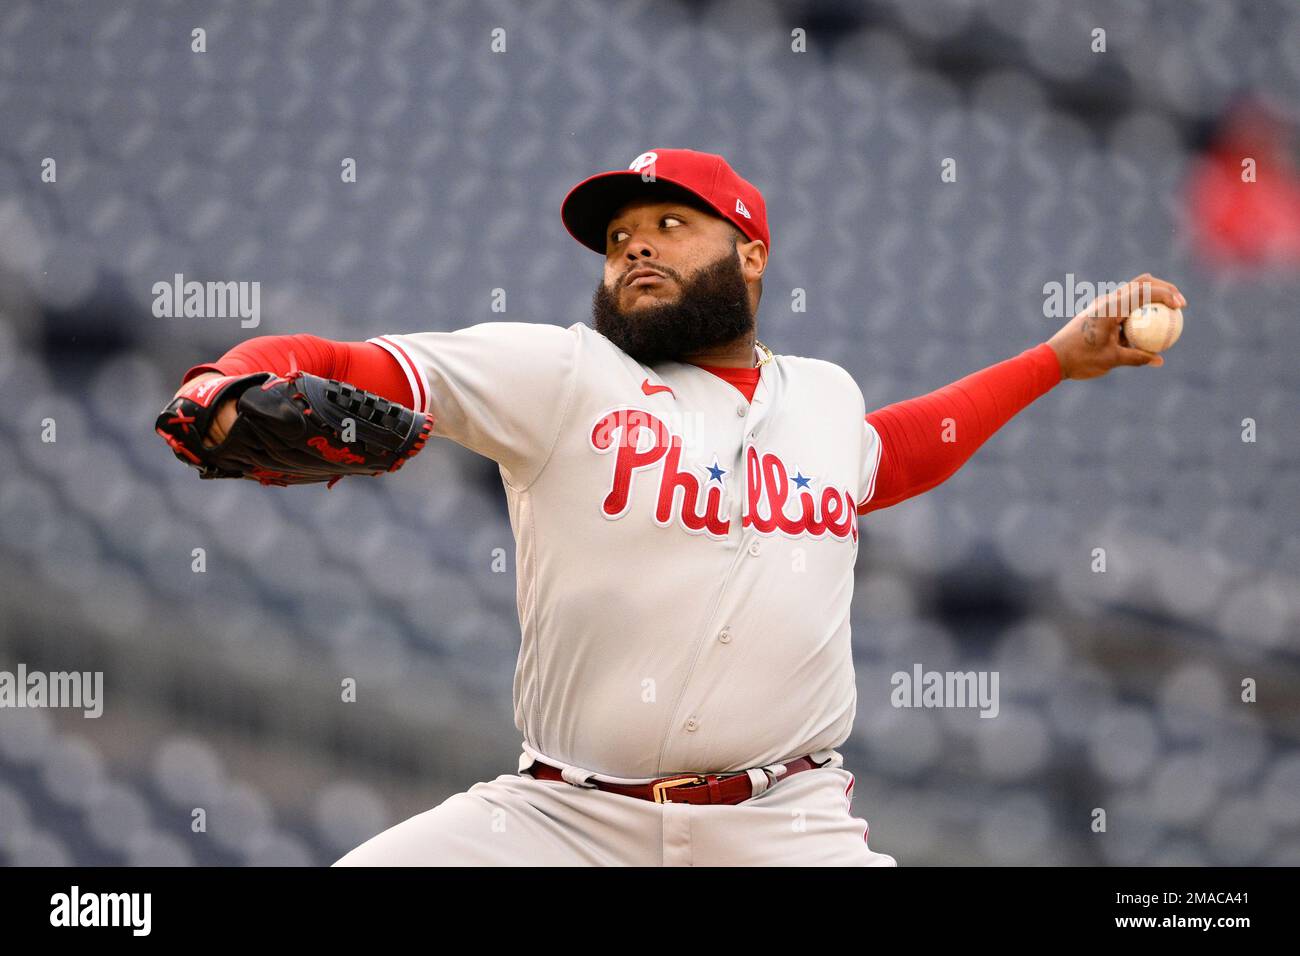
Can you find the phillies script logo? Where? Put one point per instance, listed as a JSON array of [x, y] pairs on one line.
[[774, 501]]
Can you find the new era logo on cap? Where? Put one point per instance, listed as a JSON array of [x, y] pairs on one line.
[[590, 205]]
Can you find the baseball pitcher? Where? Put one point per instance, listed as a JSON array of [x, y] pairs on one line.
[[684, 504]]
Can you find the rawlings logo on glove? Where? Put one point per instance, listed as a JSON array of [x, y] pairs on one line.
[[290, 431], [330, 453]]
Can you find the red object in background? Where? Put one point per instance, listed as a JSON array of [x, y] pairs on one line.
[[1248, 222]]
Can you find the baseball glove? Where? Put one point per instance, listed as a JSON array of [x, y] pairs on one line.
[[294, 430]]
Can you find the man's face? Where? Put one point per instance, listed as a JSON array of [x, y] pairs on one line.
[[673, 283]]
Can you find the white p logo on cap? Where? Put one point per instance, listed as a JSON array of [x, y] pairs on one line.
[[644, 164], [642, 161]]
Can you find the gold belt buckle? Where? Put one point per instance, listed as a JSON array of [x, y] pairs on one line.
[[659, 788]]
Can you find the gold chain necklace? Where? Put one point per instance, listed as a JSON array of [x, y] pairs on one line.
[[767, 354]]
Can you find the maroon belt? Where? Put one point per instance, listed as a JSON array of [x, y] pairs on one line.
[[727, 788]]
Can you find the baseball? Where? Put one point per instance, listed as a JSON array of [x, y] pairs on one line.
[[1153, 327]]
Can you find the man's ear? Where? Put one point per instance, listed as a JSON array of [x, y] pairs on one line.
[[753, 257]]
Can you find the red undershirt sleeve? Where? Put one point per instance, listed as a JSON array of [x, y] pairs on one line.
[[364, 364], [914, 456]]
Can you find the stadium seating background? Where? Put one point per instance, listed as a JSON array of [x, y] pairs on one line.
[[1118, 690]]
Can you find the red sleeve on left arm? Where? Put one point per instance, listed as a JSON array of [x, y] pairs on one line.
[[362, 364], [915, 458]]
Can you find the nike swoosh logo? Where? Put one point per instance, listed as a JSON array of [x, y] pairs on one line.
[[654, 389]]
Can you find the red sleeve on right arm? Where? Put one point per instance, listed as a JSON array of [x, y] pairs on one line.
[[363, 364], [915, 456]]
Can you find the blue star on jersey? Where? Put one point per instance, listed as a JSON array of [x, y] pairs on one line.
[[715, 472]]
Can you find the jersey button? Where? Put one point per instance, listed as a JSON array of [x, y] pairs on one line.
[[724, 635], [741, 409], [754, 547], [692, 724]]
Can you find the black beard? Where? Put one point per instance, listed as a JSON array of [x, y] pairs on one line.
[[712, 309]]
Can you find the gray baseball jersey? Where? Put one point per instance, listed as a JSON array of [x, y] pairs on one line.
[[684, 556]]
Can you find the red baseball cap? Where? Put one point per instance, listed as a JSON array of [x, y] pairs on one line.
[[707, 177]]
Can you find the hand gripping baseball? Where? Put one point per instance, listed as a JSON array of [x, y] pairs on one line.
[[299, 429], [1094, 341]]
